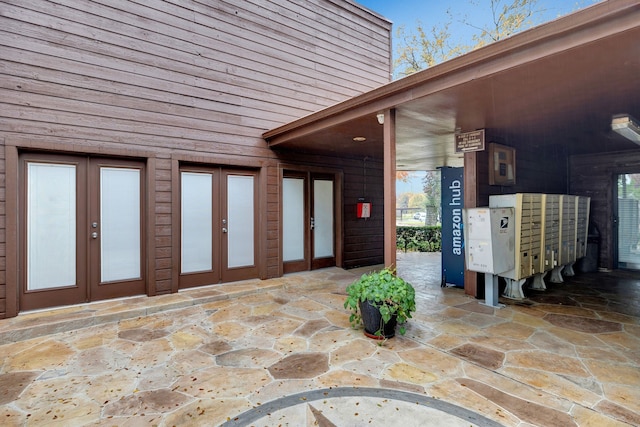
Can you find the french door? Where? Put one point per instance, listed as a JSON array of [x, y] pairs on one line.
[[308, 221], [218, 226], [81, 229], [628, 221]]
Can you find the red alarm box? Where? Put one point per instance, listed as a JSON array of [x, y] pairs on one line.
[[364, 210]]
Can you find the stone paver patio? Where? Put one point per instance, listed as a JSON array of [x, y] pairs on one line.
[[282, 352]]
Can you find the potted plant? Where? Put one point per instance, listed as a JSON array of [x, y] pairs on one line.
[[379, 300]]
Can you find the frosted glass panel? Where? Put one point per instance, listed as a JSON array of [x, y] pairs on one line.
[[197, 225], [51, 226], [323, 218], [240, 221], [629, 221], [119, 224], [293, 219]]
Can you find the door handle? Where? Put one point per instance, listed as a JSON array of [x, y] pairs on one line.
[[313, 223], [94, 235], [224, 229]]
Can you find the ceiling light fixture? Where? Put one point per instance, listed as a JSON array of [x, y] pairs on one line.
[[626, 126], [380, 117], [359, 138]]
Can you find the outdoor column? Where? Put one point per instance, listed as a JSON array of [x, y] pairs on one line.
[[390, 187]]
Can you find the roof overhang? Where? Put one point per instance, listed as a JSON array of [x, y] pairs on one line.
[[558, 83]]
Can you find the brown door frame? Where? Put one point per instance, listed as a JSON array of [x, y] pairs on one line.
[[290, 170], [305, 263], [244, 272], [189, 280], [77, 293], [324, 262], [87, 287], [220, 273], [129, 287]]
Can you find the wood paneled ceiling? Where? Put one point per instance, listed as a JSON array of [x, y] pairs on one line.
[[557, 84]]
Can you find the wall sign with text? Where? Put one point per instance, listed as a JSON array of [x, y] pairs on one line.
[[470, 141]]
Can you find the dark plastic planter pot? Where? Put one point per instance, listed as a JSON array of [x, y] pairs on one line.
[[372, 320]]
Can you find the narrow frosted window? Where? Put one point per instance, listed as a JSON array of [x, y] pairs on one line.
[[293, 219], [196, 225], [240, 216], [51, 226], [323, 218], [119, 224]]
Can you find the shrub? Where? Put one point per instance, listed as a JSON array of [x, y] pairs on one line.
[[419, 239]]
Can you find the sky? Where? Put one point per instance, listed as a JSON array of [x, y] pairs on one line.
[[406, 13], [434, 13]]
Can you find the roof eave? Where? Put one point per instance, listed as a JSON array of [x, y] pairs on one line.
[[403, 90]]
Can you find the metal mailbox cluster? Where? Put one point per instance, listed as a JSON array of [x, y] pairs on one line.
[[550, 235]]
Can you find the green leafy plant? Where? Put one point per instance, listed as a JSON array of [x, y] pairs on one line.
[[419, 239], [384, 289]]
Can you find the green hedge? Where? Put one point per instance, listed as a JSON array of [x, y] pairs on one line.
[[419, 239]]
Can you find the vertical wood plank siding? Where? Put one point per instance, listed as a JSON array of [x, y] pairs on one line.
[[539, 169], [594, 176], [181, 77]]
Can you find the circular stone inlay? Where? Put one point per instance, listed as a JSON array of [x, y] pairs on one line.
[[346, 405]]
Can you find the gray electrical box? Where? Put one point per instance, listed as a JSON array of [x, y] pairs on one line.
[[490, 239]]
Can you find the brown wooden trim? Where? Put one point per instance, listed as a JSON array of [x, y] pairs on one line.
[[261, 201], [390, 187], [99, 290], [213, 276], [280, 177], [305, 263], [296, 167], [175, 223], [221, 160], [78, 147], [339, 218], [79, 291], [245, 272], [150, 215], [338, 188], [331, 261], [11, 188]]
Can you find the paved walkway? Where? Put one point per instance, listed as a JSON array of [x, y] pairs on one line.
[[281, 352]]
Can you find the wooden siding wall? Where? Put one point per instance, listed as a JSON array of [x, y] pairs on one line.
[[192, 78], [594, 176], [539, 169], [364, 238]]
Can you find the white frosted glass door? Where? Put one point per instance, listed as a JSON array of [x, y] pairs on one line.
[[292, 219], [197, 222], [119, 224], [51, 226], [323, 244], [239, 222]]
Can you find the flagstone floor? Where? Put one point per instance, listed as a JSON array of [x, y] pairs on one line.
[[282, 352]]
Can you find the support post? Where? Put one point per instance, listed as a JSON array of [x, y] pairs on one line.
[[389, 169], [491, 290]]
